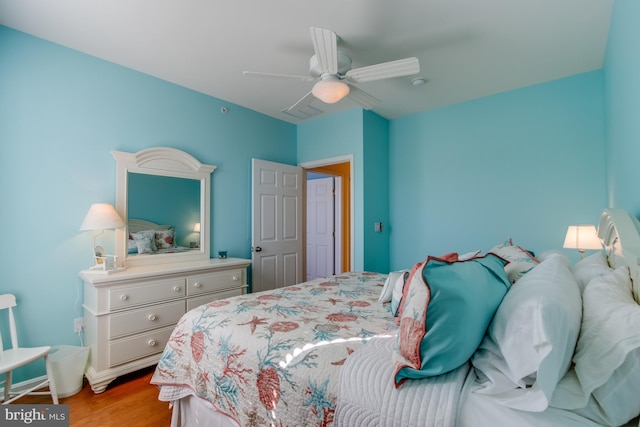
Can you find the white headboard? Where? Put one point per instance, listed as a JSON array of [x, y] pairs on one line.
[[620, 234]]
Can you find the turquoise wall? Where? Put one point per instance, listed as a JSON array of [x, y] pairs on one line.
[[365, 135], [335, 136], [61, 114], [375, 143], [523, 164], [622, 106]]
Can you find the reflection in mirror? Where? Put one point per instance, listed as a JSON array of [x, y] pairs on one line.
[[167, 192], [172, 203]]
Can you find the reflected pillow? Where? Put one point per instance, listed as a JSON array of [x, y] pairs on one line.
[[132, 246], [145, 240], [446, 308], [165, 239]]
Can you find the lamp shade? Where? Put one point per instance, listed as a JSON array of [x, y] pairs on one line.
[[582, 237], [101, 216], [330, 90], [196, 227]]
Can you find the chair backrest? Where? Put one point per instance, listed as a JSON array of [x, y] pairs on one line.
[[8, 301]]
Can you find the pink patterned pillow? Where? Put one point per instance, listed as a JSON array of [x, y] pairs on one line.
[[446, 309], [165, 239], [520, 260]]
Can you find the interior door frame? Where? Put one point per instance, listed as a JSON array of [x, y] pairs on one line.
[[332, 161]]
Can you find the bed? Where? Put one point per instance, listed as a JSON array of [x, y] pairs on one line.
[[146, 237], [496, 338]]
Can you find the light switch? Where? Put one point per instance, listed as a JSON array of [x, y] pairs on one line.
[[377, 227]]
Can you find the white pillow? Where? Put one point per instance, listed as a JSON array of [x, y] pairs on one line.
[[605, 381], [469, 255], [594, 265], [387, 289], [398, 289], [530, 342], [546, 254]]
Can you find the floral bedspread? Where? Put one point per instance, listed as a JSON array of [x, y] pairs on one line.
[[274, 358]]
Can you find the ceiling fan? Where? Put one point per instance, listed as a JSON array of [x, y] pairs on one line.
[[332, 72]]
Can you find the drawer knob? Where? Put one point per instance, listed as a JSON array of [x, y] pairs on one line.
[[197, 285], [176, 288], [151, 343], [152, 317], [124, 297]]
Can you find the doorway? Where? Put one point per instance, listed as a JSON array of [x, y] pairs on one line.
[[277, 192], [323, 228], [340, 170]]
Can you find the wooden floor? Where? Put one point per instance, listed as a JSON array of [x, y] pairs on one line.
[[128, 401]]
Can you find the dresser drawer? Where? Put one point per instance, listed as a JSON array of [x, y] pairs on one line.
[[138, 346], [206, 299], [144, 319], [216, 281], [145, 293]]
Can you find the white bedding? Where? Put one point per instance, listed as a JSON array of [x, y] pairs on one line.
[[367, 396], [477, 410]]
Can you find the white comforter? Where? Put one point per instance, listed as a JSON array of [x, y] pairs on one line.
[[367, 396]]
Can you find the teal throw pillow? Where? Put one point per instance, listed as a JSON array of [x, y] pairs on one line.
[[446, 309]]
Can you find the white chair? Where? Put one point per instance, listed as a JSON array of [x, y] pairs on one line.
[[16, 357]]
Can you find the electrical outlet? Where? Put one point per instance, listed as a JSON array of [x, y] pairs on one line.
[[78, 325]]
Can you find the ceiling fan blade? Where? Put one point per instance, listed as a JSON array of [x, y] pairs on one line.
[[363, 98], [277, 76], [302, 109], [325, 46], [385, 70]]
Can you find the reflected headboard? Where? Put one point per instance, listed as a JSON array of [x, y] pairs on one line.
[[620, 234], [134, 225]]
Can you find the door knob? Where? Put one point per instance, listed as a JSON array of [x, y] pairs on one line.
[[258, 249]]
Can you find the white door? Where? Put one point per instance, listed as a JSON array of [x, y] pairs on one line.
[[277, 195], [320, 226]]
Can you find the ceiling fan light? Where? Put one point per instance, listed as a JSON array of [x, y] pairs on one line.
[[330, 91]]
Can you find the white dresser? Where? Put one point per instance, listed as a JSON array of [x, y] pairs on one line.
[[129, 316]]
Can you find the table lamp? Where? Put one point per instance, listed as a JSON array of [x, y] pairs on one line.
[[582, 237], [101, 216]]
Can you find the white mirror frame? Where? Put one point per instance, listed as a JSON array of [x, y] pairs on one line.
[[161, 161]]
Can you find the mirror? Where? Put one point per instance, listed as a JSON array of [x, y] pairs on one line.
[[164, 196], [167, 200]]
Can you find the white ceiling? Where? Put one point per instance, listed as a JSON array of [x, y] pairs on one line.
[[467, 48]]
